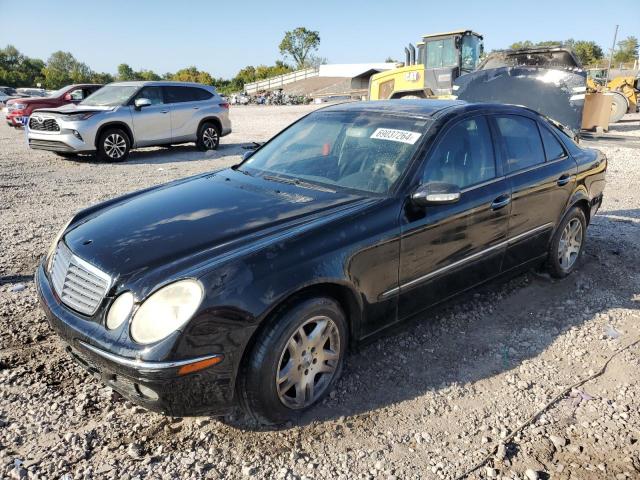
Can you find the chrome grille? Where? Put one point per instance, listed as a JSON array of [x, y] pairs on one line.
[[43, 124], [80, 285]]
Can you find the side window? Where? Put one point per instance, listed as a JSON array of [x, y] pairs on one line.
[[152, 93], [464, 156], [201, 94], [552, 146], [521, 139], [76, 94], [178, 94]]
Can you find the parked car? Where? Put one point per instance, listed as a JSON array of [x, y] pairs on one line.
[[247, 286], [6, 94], [19, 108], [127, 115], [32, 92]]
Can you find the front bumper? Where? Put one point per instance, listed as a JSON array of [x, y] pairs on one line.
[[63, 141], [208, 391]]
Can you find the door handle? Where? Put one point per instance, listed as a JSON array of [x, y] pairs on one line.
[[501, 201], [564, 179], [196, 108], [165, 111]]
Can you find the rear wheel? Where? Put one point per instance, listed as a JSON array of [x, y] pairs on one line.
[[208, 137], [114, 145], [567, 243], [619, 106], [295, 361]]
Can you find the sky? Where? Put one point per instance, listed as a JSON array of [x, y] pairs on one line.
[[223, 37]]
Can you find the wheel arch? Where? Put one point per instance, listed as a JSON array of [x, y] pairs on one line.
[[344, 295], [121, 125], [580, 199], [210, 119]]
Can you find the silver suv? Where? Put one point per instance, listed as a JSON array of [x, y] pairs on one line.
[[125, 115]]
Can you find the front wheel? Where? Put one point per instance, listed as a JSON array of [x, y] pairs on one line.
[[113, 145], [567, 243], [208, 137], [295, 361]]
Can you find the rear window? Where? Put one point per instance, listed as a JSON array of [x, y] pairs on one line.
[[521, 141], [186, 94], [552, 146]]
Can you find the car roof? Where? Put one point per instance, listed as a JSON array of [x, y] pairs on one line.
[[411, 108], [160, 83], [425, 107]]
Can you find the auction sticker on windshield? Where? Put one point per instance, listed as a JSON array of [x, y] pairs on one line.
[[394, 135]]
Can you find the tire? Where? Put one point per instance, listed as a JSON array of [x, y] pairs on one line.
[[281, 357], [208, 137], [619, 106], [567, 243], [114, 145]]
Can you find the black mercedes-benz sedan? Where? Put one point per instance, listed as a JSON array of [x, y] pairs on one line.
[[247, 286]]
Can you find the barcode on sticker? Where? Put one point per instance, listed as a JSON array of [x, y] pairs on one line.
[[394, 135]]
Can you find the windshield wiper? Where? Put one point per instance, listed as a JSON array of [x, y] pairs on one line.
[[298, 183]]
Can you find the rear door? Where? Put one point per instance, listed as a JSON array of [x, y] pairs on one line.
[[152, 124], [448, 248], [541, 176], [186, 103]]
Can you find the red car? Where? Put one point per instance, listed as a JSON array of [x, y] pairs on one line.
[[18, 108]]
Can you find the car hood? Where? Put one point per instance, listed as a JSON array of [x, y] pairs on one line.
[[189, 224], [72, 108]]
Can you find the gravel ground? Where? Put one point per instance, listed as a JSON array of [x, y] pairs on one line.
[[427, 402]]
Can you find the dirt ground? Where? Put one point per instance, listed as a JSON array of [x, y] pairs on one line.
[[428, 401]]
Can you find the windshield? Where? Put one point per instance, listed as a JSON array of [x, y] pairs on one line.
[[58, 93], [353, 150], [441, 53], [110, 96], [470, 53]]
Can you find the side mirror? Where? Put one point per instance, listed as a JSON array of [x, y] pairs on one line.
[[247, 155], [435, 193], [142, 102], [67, 97]]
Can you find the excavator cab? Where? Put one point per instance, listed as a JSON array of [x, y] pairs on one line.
[[431, 68]]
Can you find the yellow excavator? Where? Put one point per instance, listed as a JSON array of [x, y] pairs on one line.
[[623, 86], [430, 67]]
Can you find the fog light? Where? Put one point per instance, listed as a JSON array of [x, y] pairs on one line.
[[77, 134], [147, 392]]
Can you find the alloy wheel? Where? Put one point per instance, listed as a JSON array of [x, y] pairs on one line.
[[115, 145], [210, 138], [308, 362], [570, 243]]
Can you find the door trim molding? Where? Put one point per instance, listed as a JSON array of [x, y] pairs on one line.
[[462, 261]]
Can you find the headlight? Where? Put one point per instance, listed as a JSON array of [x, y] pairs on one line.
[[77, 116], [120, 310], [54, 244], [166, 311], [17, 106]]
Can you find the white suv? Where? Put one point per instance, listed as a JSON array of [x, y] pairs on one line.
[[125, 115]]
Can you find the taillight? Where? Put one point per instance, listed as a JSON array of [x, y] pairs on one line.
[[225, 105]]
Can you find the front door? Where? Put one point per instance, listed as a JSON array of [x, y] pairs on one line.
[[541, 176], [151, 124], [448, 248]]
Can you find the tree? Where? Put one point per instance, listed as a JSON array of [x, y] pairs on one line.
[[627, 50], [18, 70], [148, 75], [588, 52], [102, 78], [192, 74], [298, 43], [63, 69], [126, 73]]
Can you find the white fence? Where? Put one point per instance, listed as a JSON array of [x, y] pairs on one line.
[[279, 81]]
